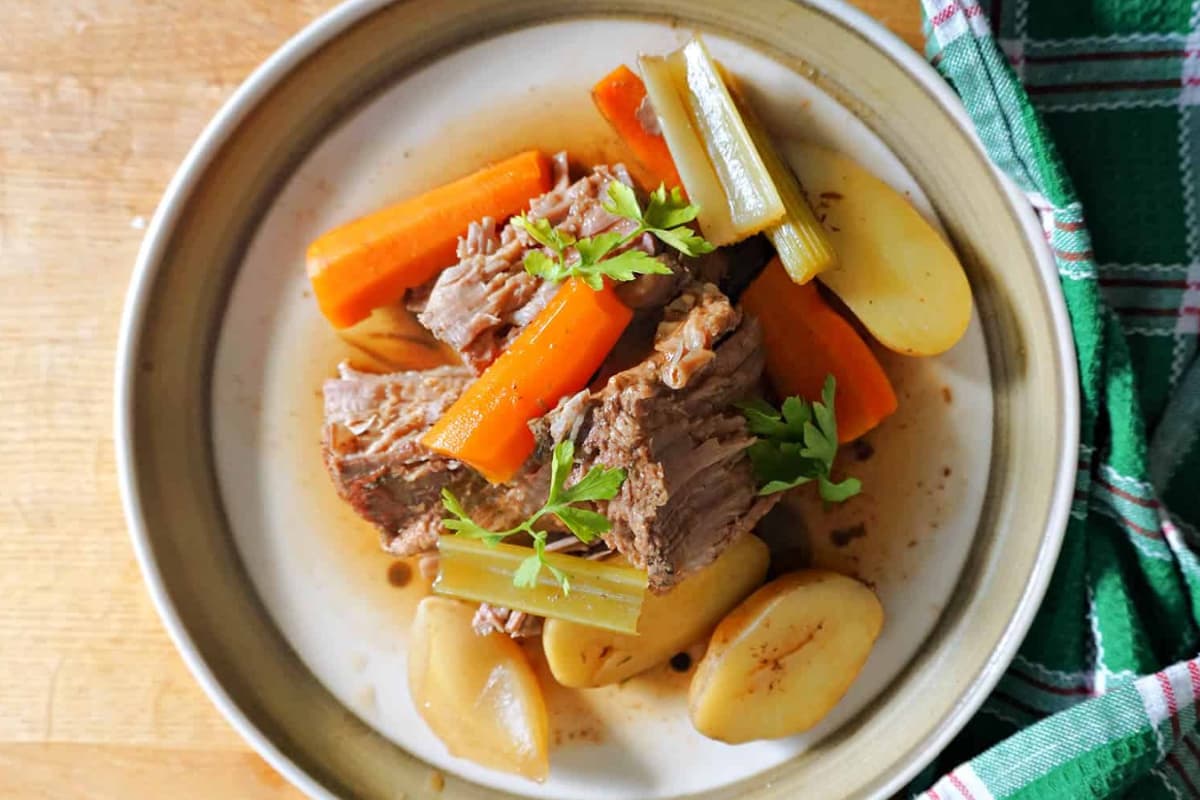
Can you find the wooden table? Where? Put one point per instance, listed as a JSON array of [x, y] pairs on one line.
[[100, 99]]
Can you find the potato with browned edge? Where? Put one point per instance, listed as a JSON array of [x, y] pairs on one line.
[[784, 658], [894, 271], [581, 656], [478, 693]]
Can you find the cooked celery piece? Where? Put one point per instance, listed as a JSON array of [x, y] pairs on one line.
[[700, 180], [754, 201], [801, 241], [602, 595]]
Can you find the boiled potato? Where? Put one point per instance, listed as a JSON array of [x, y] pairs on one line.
[[894, 271], [477, 693], [783, 659], [392, 340], [582, 656]]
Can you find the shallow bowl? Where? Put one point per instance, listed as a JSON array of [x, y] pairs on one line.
[[218, 371]]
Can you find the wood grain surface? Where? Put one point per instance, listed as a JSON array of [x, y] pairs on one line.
[[99, 101]]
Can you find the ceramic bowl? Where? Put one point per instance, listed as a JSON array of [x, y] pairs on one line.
[[276, 595]]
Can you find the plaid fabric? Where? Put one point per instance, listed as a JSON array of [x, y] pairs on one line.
[[1093, 108]]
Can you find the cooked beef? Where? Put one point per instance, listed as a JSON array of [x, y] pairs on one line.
[[735, 267], [670, 422], [496, 619], [373, 424], [479, 305]]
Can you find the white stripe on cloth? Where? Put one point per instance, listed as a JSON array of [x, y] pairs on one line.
[[1167, 270], [1151, 548], [1184, 555], [1021, 19], [1190, 77], [962, 783], [1014, 51], [1057, 104], [1114, 42], [1077, 678], [950, 19], [1164, 694], [1168, 783], [1127, 482], [1100, 669], [1145, 330], [1189, 306], [1155, 705]]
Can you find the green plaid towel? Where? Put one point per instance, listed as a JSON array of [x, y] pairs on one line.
[[1093, 108]]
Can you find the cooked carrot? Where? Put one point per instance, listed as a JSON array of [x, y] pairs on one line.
[[805, 339], [619, 95], [371, 261], [487, 427]]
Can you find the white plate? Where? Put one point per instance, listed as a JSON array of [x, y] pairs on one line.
[[317, 566]]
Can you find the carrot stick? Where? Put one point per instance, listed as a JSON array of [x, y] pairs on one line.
[[805, 339], [619, 95], [487, 427], [371, 261]]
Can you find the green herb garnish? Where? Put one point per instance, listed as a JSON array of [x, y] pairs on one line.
[[666, 218], [797, 444], [600, 483]]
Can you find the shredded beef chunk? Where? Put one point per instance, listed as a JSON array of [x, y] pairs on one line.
[[497, 619], [479, 305], [671, 423], [373, 424]]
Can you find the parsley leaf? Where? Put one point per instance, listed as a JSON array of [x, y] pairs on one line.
[[587, 525], [545, 234], [668, 210], [628, 265], [542, 265], [600, 483], [593, 249], [526, 575], [622, 201], [683, 239], [838, 492], [595, 257], [796, 444]]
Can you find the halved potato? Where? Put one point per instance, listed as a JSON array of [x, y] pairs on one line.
[[894, 271], [478, 693], [581, 656], [783, 659]]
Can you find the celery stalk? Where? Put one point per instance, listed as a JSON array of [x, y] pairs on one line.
[[801, 241], [754, 201], [603, 595], [700, 180]]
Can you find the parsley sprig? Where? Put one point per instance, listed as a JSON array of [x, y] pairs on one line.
[[665, 217], [797, 443], [600, 483]]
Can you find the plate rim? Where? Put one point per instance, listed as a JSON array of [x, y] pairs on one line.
[[326, 28]]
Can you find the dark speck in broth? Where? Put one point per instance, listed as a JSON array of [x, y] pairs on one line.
[[399, 573], [844, 536], [862, 449], [681, 662], [947, 395]]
